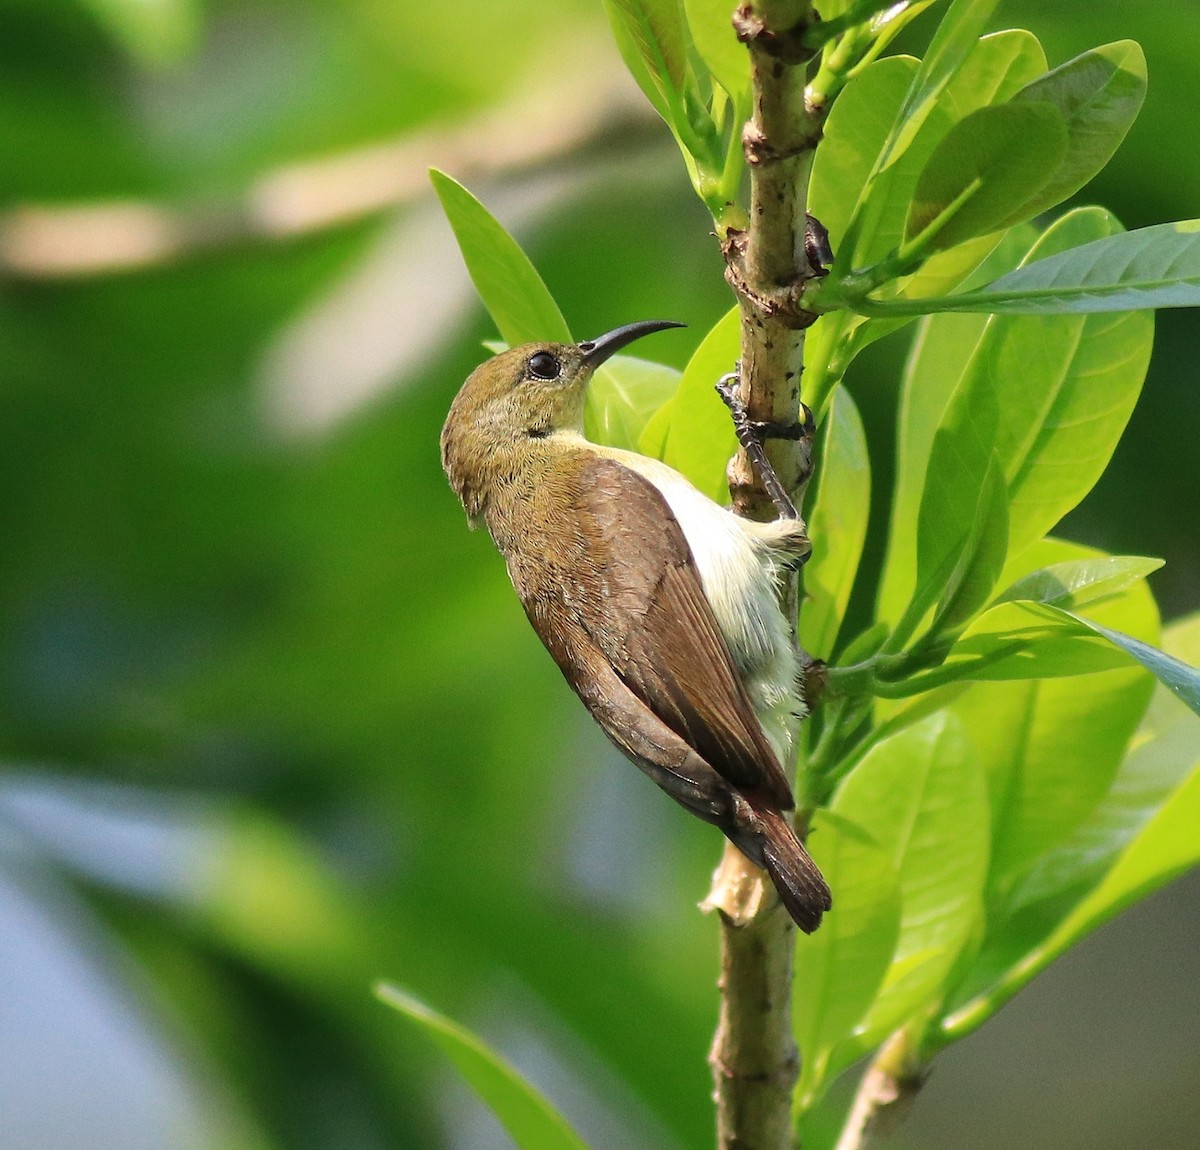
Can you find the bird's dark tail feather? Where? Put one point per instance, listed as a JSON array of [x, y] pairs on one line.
[[801, 886]]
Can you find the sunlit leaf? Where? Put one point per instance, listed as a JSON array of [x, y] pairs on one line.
[[515, 296], [1099, 94], [1166, 847], [1050, 395], [957, 35], [1051, 746], [653, 41], [980, 559], [997, 157]]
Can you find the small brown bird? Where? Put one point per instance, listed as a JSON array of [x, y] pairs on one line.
[[659, 606]]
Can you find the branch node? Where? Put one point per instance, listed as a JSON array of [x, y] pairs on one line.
[[783, 304], [787, 45], [759, 150]]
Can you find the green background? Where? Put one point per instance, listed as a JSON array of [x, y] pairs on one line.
[[273, 724]]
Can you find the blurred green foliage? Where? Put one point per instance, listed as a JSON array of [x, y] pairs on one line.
[[269, 632]]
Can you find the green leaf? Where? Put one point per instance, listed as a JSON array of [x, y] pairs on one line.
[[957, 36], [623, 397], [1076, 582], [1051, 747], [1051, 395], [1052, 647], [961, 456], [1099, 95], [652, 38], [515, 296], [1166, 848], [837, 525], [1152, 267], [1164, 751], [938, 360], [865, 213], [922, 798], [701, 439], [997, 157], [1003, 643], [711, 25], [998, 67], [840, 967], [1174, 674], [981, 558], [853, 138], [531, 1122]]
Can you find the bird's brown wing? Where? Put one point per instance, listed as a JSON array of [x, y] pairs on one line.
[[619, 589]]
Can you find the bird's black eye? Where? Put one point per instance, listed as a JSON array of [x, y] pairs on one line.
[[543, 365]]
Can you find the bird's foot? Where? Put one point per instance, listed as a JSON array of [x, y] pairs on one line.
[[752, 433]]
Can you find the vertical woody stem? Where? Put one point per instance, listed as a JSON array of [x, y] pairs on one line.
[[754, 1058]]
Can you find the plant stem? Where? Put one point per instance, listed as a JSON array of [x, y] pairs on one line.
[[885, 1095], [754, 1057]]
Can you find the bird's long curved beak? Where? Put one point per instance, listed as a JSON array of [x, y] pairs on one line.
[[596, 351]]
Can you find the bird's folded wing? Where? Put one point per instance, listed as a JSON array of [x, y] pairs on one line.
[[622, 583]]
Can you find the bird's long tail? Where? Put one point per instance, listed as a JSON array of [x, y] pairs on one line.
[[774, 845]]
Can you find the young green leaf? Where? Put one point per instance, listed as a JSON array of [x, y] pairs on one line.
[[854, 136], [1099, 95], [515, 296], [1152, 267], [922, 798], [531, 1122], [1163, 757], [998, 67], [997, 157], [1066, 386], [960, 458], [839, 968], [837, 524]]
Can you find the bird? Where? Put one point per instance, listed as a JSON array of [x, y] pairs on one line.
[[659, 605]]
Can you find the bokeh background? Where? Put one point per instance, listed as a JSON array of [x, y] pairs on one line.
[[272, 725]]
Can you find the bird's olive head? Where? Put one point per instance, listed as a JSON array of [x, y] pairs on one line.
[[523, 394]]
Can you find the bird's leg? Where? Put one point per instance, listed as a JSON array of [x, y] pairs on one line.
[[751, 434]]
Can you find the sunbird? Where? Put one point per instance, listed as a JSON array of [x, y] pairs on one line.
[[659, 606]]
